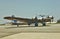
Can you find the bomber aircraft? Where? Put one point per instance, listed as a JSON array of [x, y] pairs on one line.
[[29, 21]]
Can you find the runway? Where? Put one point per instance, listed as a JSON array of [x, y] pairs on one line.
[[34, 36], [6, 31]]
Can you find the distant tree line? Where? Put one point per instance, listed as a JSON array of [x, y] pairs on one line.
[[58, 21]]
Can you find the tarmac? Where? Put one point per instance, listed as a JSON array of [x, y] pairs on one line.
[[25, 32], [34, 36]]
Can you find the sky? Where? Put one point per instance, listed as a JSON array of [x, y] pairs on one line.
[[29, 8]]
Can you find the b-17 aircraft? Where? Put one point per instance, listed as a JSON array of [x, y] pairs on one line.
[[29, 21]]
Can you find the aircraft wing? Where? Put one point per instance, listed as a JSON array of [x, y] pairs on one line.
[[19, 19], [26, 19]]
